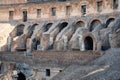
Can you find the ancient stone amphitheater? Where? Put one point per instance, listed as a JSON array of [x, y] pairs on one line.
[[59, 39]]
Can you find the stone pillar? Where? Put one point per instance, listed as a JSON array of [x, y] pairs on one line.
[[99, 46], [9, 42], [51, 40], [29, 46], [45, 41], [65, 42], [81, 44], [112, 41]]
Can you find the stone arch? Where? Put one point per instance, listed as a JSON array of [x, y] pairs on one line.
[[94, 23], [21, 76], [79, 24], [75, 27], [109, 21], [32, 28], [89, 41], [62, 26], [19, 29], [47, 26]]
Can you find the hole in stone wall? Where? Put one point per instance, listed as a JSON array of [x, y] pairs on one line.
[[47, 27], [109, 21], [53, 11], [62, 26], [68, 10], [24, 15], [79, 24], [115, 4], [88, 43], [35, 44], [75, 27], [21, 76], [32, 28], [11, 15], [60, 70], [99, 6], [20, 29], [83, 9], [48, 72], [93, 24]]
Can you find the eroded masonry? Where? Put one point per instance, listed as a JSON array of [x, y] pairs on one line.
[[39, 39]]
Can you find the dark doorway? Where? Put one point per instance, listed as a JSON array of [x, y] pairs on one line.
[[48, 72], [88, 43], [24, 16], [21, 76]]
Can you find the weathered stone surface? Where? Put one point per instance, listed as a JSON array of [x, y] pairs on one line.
[[105, 67], [5, 29], [57, 33]]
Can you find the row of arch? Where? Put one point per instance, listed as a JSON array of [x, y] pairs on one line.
[[93, 24]]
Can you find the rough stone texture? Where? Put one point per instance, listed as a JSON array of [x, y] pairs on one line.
[[12, 1], [94, 31], [105, 67], [5, 29], [42, 60]]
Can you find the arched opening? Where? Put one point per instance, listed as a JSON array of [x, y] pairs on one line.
[[19, 29], [32, 28], [47, 27], [35, 44], [75, 27], [94, 23], [109, 21], [88, 42], [21, 76], [62, 26], [79, 24]]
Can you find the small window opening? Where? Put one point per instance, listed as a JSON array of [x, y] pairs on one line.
[[11, 13], [115, 4], [48, 72], [68, 9], [38, 13], [99, 6], [83, 9], [53, 11], [24, 16]]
